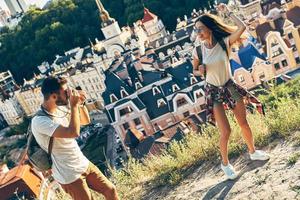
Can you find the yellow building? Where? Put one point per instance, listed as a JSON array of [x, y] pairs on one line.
[[30, 96]]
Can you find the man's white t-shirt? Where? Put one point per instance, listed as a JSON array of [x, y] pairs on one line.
[[68, 160], [218, 70]]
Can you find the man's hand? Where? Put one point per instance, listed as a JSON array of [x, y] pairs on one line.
[[82, 97], [74, 97]]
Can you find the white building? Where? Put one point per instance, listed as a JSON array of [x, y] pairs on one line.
[[11, 111], [91, 80], [4, 15], [117, 39], [154, 26], [16, 6], [7, 84]]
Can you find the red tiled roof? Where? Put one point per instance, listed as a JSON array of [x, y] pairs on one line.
[[148, 16], [293, 15], [22, 178], [262, 30]]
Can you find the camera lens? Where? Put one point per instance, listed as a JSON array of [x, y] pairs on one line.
[[78, 88]]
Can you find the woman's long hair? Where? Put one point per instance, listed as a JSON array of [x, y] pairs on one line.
[[219, 29]]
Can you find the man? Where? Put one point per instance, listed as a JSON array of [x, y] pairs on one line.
[[76, 174]]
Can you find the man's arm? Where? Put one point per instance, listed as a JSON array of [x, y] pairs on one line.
[[73, 130]]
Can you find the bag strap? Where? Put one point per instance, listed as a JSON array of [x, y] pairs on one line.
[[200, 57], [50, 145], [42, 112], [199, 53]]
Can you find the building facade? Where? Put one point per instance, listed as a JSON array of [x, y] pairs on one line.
[[30, 98], [11, 111], [7, 84], [16, 6]]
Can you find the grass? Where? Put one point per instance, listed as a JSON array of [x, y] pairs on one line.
[[296, 189], [293, 159], [296, 139]]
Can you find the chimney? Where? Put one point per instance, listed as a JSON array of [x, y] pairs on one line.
[[283, 14], [272, 24], [138, 65], [129, 81], [140, 76]]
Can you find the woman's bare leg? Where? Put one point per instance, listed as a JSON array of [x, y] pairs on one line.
[[240, 115], [224, 127]]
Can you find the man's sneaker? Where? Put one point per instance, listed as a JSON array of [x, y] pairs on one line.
[[229, 171], [259, 155]]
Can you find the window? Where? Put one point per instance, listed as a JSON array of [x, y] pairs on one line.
[[144, 132], [161, 103], [261, 76], [155, 91], [277, 66], [241, 78], [124, 93], [113, 98], [277, 53], [290, 35], [193, 80], [198, 94], [274, 43], [181, 102], [138, 85], [126, 126], [203, 106], [186, 114], [175, 87], [294, 48], [284, 63], [137, 121], [125, 111]]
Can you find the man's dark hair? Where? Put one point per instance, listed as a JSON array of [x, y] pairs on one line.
[[52, 85]]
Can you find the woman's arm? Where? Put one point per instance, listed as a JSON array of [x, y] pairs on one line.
[[241, 26]]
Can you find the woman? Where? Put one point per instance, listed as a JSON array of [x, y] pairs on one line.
[[216, 39]]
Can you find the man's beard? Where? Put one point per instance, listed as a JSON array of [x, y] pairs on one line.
[[61, 102]]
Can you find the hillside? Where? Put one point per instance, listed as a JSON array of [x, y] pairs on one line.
[[279, 178]]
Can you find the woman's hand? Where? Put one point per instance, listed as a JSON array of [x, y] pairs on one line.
[[223, 8], [200, 71]]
